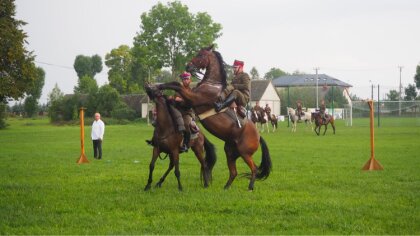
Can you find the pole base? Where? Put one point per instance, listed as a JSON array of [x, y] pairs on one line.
[[372, 164], [82, 159]]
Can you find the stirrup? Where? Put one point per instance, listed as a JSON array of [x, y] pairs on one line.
[[218, 106], [184, 148]]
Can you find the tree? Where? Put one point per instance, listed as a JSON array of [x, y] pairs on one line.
[[86, 85], [17, 68], [55, 95], [410, 93], [393, 95], [417, 77], [85, 65], [254, 74], [335, 95], [119, 61], [274, 73], [34, 93], [170, 35]]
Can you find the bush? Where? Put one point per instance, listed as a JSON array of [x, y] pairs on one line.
[[2, 115], [122, 111]]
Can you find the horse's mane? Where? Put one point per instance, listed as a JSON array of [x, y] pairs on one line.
[[222, 68]]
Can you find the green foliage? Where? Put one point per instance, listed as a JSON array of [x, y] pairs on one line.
[[86, 85], [170, 35], [417, 77], [3, 108], [335, 94], [119, 61], [65, 108], [410, 93], [274, 73], [122, 111], [163, 76], [17, 68], [107, 99], [56, 94], [85, 65], [316, 187], [254, 73], [30, 106], [392, 95]]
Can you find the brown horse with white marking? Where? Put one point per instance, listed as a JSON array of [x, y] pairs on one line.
[[239, 141]]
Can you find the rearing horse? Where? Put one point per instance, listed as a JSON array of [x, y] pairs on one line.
[[167, 139], [239, 141]]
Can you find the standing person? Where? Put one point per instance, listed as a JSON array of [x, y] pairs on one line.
[[238, 90], [98, 131]]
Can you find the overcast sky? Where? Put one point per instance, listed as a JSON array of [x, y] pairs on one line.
[[357, 41]]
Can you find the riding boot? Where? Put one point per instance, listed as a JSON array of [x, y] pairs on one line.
[[186, 142], [241, 111], [218, 106]]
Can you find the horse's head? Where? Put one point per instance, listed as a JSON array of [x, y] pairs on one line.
[[291, 111], [211, 61], [200, 61], [152, 91]]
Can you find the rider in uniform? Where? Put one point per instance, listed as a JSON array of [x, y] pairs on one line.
[[267, 110], [238, 90], [299, 108], [322, 110], [181, 113]]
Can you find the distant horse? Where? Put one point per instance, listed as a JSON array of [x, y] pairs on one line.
[[260, 116], [167, 139], [239, 140], [295, 118], [273, 121], [316, 116]]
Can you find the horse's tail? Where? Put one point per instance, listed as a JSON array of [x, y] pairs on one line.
[[265, 166], [211, 157]]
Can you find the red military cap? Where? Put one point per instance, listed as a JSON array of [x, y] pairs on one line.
[[238, 63], [185, 75]]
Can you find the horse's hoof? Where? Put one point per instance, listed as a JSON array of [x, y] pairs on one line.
[[158, 185], [180, 189], [147, 187]]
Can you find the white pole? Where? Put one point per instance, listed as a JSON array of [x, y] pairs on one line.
[[316, 78], [399, 99]]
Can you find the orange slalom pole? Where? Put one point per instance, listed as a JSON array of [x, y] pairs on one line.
[[372, 164], [82, 158]]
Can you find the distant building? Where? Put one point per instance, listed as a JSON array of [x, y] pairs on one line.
[[264, 92]]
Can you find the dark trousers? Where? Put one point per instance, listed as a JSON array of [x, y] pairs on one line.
[[97, 147]]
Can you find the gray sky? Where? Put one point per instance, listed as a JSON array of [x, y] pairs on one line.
[[356, 41]]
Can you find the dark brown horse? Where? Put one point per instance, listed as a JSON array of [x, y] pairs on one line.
[[239, 141], [167, 139], [316, 116]]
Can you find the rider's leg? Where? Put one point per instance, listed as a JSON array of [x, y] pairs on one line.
[[181, 126], [218, 106]]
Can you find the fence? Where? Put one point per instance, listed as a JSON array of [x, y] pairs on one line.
[[388, 113]]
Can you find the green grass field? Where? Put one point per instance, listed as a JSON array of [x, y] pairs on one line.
[[316, 187]]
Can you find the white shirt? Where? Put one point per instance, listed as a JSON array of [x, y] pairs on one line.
[[98, 130]]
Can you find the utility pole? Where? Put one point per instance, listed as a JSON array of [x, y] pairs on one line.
[[316, 79], [399, 99]]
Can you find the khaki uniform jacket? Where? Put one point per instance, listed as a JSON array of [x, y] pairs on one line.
[[242, 82]]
